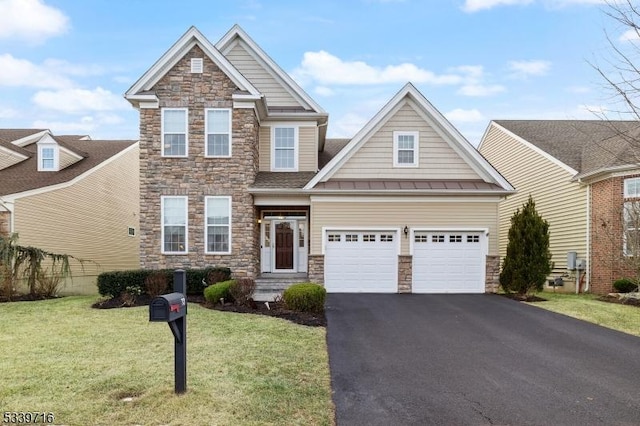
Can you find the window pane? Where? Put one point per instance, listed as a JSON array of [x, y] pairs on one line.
[[218, 144], [175, 121], [174, 211], [284, 158], [301, 228], [218, 121], [217, 211], [285, 137], [405, 142], [174, 144], [174, 238], [47, 153], [405, 157], [218, 238]]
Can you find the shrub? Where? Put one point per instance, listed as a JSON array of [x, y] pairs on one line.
[[218, 291], [624, 285], [242, 290], [217, 275], [156, 283], [305, 297], [114, 283], [47, 282]]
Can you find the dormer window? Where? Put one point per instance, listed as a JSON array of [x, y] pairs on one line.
[[47, 158]]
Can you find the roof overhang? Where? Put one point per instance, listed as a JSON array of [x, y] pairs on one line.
[[605, 172]]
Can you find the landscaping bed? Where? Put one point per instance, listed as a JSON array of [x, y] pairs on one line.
[[614, 298]]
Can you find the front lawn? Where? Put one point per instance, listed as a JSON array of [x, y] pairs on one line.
[[586, 307], [92, 366]]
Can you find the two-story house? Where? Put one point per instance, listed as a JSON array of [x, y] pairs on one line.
[[236, 170]]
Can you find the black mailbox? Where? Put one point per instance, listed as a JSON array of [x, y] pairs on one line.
[[168, 307]]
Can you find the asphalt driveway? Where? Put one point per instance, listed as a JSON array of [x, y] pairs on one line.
[[475, 359]]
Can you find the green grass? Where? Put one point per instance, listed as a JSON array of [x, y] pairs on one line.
[[61, 356], [586, 307]]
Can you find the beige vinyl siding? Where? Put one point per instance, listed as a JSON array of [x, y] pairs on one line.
[[264, 148], [66, 159], [89, 220], [307, 149], [8, 160], [374, 159], [274, 92], [401, 212], [561, 202]]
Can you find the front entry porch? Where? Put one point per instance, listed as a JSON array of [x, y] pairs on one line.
[[283, 242]]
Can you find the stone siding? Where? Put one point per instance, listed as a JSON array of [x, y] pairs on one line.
[[196, 176], [316, 268], [492, 274], [405, 273], [606, 243], [5, 223]]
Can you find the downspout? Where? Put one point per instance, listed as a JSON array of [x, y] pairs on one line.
[[587, 270]]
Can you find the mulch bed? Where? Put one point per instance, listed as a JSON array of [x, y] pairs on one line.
[[523, 298], [26, 298], [275, 309], [616, 299]]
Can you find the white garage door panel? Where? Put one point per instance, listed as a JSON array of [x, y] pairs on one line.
[[449, 262], [353, 265]]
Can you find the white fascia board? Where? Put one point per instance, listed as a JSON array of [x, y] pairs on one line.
[[606, 172], [12, 197], [71, 153], [28, 140], [276, 191], [225, 44], [13, 153], [534, 148], [189, 39]]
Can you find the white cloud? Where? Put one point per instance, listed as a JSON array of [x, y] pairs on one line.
[[460, 115], [20, 72], [529, 68], [85, 124], [347, 125], [79, 100], [578, 89], [67, 68], [6, 113], [476, 5], [478, 90], [326, 69], [630, 35], [30, 20], [323, 91]]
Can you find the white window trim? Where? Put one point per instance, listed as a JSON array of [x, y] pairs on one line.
[[206, 234], [628, 181], [416, 150], [186, 225], [186, 134], [296, 143], [56, 157], [206, 132], [625, 209]]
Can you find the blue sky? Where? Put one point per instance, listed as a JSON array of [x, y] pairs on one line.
[[64, 64]]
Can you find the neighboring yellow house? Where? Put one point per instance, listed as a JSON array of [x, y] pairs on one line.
[[72, 195]]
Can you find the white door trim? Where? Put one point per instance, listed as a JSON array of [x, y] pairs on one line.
[[294, 226]]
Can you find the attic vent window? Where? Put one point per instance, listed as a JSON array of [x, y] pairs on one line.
[[196, 65], [131, 231]]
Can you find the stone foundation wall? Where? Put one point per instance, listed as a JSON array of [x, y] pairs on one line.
[[405, 273], [492, 277], [5, 223], [316, 268]]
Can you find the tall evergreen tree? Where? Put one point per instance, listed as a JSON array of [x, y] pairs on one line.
[[528, 260]]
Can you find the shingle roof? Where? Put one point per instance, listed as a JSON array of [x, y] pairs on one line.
[[583, 145], [24, 176], [11, 135], [290, 180], [331, 148]]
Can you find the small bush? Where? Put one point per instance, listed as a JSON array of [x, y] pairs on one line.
[[156, 283], [624, 285], [47, 283], [217, 275], [305, 297], [218, 291], [242, 290]]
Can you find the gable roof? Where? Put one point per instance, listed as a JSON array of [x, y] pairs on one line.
[[586, 147], [236, 32], [24, 175], [445, 129], [192, 37]]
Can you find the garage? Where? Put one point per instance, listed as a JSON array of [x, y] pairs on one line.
[[449, 262], [361, 261]]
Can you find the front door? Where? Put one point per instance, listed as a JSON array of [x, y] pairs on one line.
[[284, 233]]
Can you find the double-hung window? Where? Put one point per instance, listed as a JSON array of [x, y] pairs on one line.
[[285, 149], [405, 149], [175, 140], [631, 217], [47, 158], [174, 225], [218, 225], [218, 132]]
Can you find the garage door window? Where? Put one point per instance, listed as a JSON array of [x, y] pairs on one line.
[[455, 238], [421, 238], [437, 238], [386, 238], [334, 238], [369, 238], [473, 238]]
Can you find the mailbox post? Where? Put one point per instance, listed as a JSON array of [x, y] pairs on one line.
[[172, 309]]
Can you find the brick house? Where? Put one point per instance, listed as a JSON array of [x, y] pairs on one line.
[[583, 175], [236, 170]]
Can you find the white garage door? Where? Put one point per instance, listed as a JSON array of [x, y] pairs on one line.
[[449, 262], [361, 261]]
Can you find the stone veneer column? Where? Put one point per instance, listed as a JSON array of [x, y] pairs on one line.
[[316, 268], [5, 223], [492, 276], [405, 273]]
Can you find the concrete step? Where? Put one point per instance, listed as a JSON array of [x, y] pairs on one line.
[[269, 286]]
